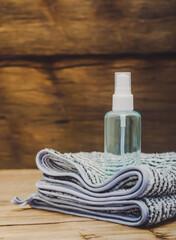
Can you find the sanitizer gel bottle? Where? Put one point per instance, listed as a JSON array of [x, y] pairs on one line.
[[122, 143]]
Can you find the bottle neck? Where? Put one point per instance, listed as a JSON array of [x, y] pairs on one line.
[[122, 102]]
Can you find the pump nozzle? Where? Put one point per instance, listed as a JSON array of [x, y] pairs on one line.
[[122, 98]]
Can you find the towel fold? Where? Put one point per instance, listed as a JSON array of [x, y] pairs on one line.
[[75, 183]]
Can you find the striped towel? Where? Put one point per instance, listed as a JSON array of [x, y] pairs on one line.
[[75, 183]]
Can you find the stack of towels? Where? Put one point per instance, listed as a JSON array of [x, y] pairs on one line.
[[74, 183]]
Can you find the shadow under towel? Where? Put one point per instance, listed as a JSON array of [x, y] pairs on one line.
[[74, 183]]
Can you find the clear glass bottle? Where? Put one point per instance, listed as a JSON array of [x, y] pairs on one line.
[[122, 128]]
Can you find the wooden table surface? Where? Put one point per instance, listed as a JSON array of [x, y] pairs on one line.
[[27, 223]]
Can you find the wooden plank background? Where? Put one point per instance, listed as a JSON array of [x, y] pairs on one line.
[[57, 64], [49, 27]]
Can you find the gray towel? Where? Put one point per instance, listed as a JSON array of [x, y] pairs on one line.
[[75, 183]]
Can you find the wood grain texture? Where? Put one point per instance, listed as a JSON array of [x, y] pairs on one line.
[[20, 223], [51, 27], [61, 105]]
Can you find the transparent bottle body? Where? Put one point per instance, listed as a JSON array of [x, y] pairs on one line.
[[122, 140]]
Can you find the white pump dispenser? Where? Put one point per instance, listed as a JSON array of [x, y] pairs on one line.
[[122, 98], [122, 135]]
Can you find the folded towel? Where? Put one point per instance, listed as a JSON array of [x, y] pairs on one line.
[[75, 183]]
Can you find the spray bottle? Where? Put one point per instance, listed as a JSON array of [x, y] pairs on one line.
[[122, 128]]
